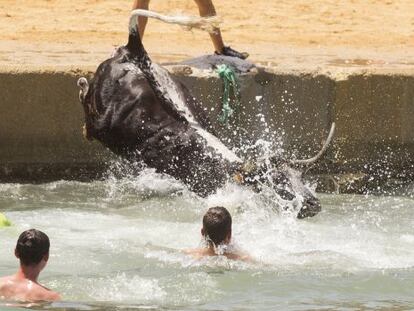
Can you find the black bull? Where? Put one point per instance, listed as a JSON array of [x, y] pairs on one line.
[[137, 110]]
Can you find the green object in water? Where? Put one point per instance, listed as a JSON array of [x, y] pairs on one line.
[[4, 222], [230, 85]]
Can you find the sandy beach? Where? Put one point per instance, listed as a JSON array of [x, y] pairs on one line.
[[308, 33]]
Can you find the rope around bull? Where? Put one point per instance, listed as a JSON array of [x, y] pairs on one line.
[[228, 76]]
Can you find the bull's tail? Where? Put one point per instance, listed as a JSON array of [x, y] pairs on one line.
[[320, 153], [209, 24]]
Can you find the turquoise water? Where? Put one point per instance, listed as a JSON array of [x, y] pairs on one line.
[[117, 245]]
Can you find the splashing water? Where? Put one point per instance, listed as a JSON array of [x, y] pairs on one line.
[[113, 246]]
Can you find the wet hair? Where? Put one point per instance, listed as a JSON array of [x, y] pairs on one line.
[[32, 246], [217, 224]]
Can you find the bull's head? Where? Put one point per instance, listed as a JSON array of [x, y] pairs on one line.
[[285, 177], [92, 95]]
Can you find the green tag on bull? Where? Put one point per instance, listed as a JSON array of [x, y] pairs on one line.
[[228, 77]]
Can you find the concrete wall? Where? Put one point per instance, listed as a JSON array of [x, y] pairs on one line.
[[375, 116], [40, 128], [294, 108], [41, 120]]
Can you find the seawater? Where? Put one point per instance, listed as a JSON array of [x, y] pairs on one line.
[[117, 245]]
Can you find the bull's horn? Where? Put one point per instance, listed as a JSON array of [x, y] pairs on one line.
[[83, 83], [320, 153], [84, 87]]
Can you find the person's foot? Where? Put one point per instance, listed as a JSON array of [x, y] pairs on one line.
[[228, 51]]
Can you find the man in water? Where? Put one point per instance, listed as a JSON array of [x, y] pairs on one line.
[[32, 250], [216, 231], [206, 9]]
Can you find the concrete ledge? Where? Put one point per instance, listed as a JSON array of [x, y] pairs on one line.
[[41, 119]]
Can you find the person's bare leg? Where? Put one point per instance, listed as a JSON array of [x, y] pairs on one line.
[[142, 20], [206, 8]]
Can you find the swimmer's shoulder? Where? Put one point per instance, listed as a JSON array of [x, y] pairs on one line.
[[196, 253], [240, 256], [2, 280], [199, 253], [25, 290], [10, 288], [42, 293], [5, 282], [51, 296], [2, 286]]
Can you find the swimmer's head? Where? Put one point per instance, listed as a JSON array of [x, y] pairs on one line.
[[217, 225], [32, 247]]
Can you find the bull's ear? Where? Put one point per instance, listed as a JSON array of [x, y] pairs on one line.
[[84, 88]]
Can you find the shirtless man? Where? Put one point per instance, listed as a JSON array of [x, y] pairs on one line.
[[32, 250], [206, 8], [216, 231]]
